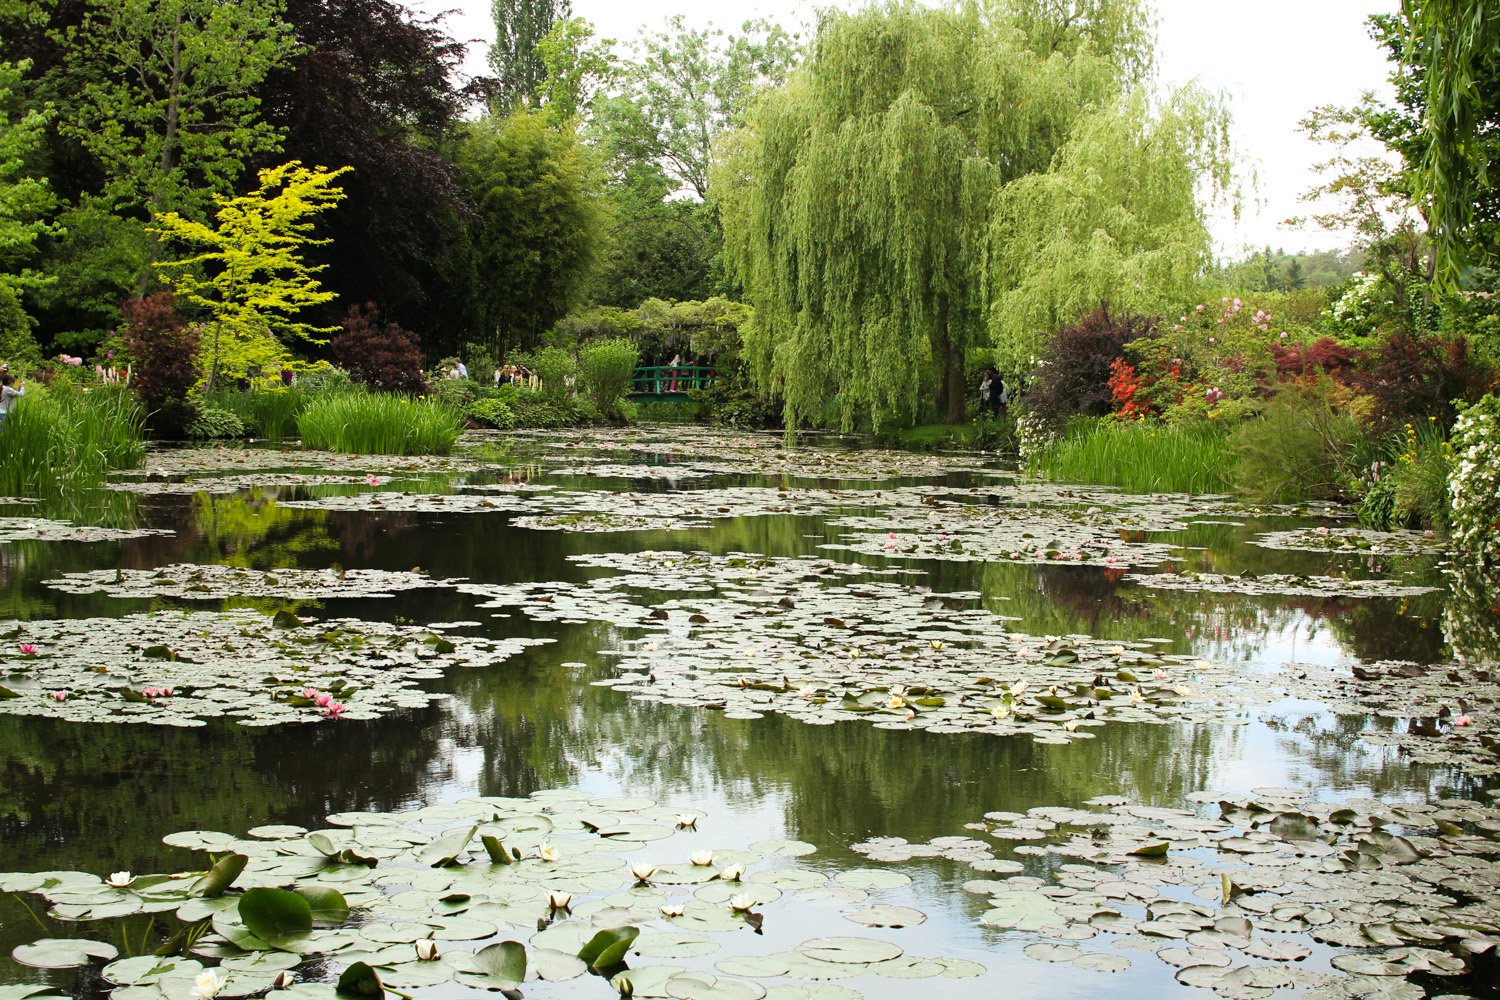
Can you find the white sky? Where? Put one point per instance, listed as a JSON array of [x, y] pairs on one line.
[[1277, 61]]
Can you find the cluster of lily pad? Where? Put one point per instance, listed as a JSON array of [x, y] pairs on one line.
[[216, 582], [260, 670], [41, 529]]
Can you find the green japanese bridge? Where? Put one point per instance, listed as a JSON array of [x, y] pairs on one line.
[[670, 384]]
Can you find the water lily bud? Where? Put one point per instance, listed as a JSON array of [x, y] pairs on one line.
[[559, 900], [547, 852], [120, 880], [935, 643], [284, 979], [702, 857], [1071, 725], [427, 950], [687, 819], [642, 871], [732, 873], [741, 903], [672, 910]]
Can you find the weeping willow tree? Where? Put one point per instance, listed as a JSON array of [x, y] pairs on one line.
[[861, 201]]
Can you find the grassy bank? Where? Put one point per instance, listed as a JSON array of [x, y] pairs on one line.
[[1143, 456]]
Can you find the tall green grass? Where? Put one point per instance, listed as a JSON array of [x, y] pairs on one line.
[[59, 442], [266, 413], [377, 424], [1140, 456]]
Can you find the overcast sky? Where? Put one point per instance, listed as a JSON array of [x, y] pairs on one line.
[[1277, 59]]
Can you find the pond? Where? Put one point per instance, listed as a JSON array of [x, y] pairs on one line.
[[931, 720]]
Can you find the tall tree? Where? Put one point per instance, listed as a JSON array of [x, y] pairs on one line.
[[168, 102], [867, 206], [519, 26], [23, 198]]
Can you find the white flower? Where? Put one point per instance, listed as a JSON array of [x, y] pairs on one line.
[[547, 852], [120, 880], [1183, 690], [672, 910], [895, 702], [559, 900], [702, 857], [935, 643], [732, 873], [1018, 688], [427, 950], [1117, 650], [898, 690], [1000, 712], [1071, 725], [642, 871], [284, 979], [208, 984], [1136, 697], [687, 819], [741, 903]]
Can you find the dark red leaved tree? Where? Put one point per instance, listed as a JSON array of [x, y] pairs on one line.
[[1080, 362], [385, 358], [164, 359]]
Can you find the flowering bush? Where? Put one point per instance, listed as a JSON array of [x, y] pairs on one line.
[[1474, 483]]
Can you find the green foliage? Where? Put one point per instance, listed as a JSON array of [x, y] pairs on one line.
[[383, 424], [23, 199], [605, 368], [493, 412], [554, 366], [1474, 483], [531, 185], [169, 102], [1300, 448], [578, 69], [215, 422], [17, 345], [56, 442], [263, 411], [1144, 456], [96, 258], [520, 25], [258, 280], [926, 181]]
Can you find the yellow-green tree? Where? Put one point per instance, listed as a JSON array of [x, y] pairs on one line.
[[252, 276]]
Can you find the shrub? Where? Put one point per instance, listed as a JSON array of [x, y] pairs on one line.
[[164, 352], [268, 413], [606, 367], [1075, 378], [1325, 355], [216, 422], [385, 358], [1140, 456], [1474, 482], [1299, 448], [554, 366], [1416, 377], [55, 443], [494, 413], [385, 424]]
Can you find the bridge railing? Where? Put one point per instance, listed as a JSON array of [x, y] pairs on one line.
[[671, 380]]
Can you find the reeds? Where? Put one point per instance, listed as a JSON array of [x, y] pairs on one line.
[[379, 424], [1144, 456], [59, 442]]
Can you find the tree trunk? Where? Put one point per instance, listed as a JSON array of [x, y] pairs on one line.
[[949, 391]]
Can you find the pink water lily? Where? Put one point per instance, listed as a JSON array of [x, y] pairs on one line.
[[335, 710], [1463, 720], [323, 700], [28, 649], [309, 693], [60, 695]]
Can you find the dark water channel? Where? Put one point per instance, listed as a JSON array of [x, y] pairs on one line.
[[98, 798]]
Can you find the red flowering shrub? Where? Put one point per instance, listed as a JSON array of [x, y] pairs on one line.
[[1080, 364], [387, 359]]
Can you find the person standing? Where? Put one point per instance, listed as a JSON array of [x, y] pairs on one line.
[[10, 391]]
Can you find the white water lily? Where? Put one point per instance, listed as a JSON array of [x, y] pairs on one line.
[[1116, 650], [120, 879], [807, 690], [935, 643], [896, 702], [741, 903], [1182, 690], [732, 873], [701, 857], [547, 852], [427, 950], [1019, 688], [1000, 712], [687, 819], [642, 871], [1136, 697], [1071, 725], [208, 984], [672, 910], [559, 900]]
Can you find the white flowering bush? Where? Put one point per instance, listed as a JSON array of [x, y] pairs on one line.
[[1474, 483], [1037, 434], [1469, 621], [1355, 312]]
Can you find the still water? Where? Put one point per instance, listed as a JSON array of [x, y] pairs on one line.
[[99, 797]]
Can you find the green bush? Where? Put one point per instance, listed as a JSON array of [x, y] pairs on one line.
[[606, 367], [1141, 456], [57, 442], [265, 413], [384, 424], [216, 422], [1474, 482], [494, 413], [1300, 447], [554, 366]]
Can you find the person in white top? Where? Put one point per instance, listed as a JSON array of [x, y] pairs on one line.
[[10, 391]]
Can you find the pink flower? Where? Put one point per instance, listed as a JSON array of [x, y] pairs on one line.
[[150, 692], [1283, 334], [890, 545], [164, 692], [942, 538], [891, 535], [335, 710], [309, 693], [1463, 720], [1200, 307], [60, 695], [27, 649], [324, 700]]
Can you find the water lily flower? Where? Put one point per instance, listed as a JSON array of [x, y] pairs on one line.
[[1019, 688], [899, 690], [335, 710], [701, 857], [1071, 725], [149, 692], [120, 879], [935, 643], [1000, 712], [687, 819], [427, 950], [910, 714], [323, 700], [1463, 720], [732, 873], [896, 701], [1117, 650], [60, 695], [891, 534], [27, 649], [741, 903], [208, 984], [547, 852], [890, 545], [649, 647], [807, 690], [1182, 690], [309, 693], [284, 979], [1136, 697], [672, 910], [1158, 674], [559, 900], [642, 871]]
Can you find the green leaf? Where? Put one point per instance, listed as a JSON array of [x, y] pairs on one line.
[[276, 916], [6, 692], [327, 904], [158, 653], [359, 980], [285, 619], [608, 946], [443, 852], [495, 849], [1155, 850], [222, 875], [504, 962]]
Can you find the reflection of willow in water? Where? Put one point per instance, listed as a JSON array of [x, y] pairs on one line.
[[1471, 618]]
